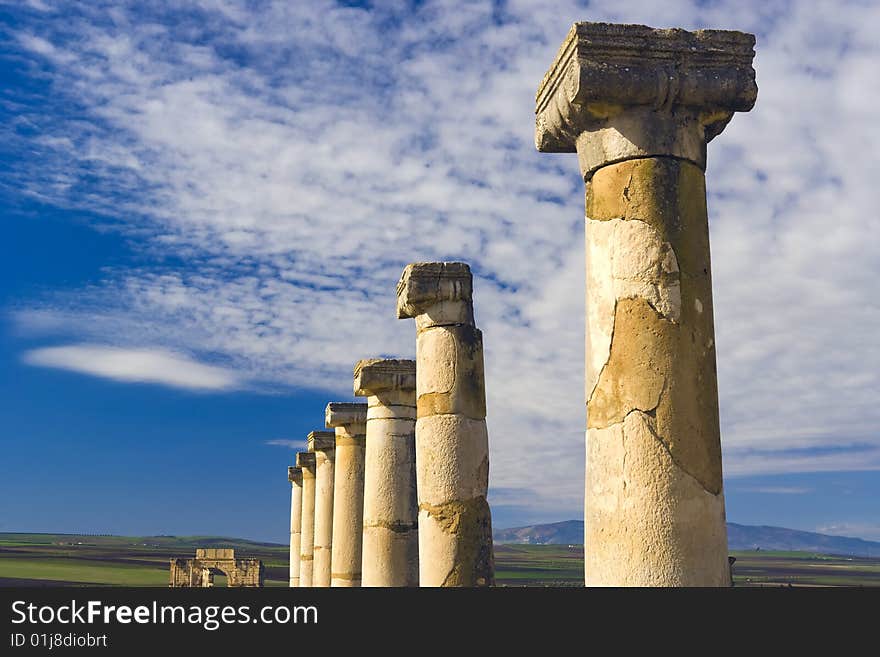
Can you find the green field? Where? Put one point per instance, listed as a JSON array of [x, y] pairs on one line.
[[539, 565], [60, 559], [759, 568], [560, 565], [53, 559]]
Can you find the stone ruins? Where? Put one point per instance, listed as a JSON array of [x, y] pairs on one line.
[[452, 446], [294, 476], [638, 106], [199, 572], [391, 541], [350, 424], [305, 461], [323, 445], [397, 494]]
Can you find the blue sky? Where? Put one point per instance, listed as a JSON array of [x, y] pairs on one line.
[[207, 206]]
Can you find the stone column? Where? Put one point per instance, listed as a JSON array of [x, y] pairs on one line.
[[391, 546], [639, 105], [323, 444], [350, 422], [294, 476], [305, 461], [452, 446]]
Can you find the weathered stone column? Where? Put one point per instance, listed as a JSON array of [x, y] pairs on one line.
[[452, 446], [323, 444], [638, 106], [305, 461], [294, 476], [391, 545], [350, 422]]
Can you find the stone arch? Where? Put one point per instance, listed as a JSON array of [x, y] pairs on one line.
[[200, 572]]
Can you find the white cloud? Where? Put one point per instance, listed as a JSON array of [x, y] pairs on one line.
[[294, 157], [135, 366], [290, 444], [775, 490], [867, 531], [37, 45], [752, 462]]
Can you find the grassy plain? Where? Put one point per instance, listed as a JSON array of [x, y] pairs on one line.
[[52, 559], [61, 559]]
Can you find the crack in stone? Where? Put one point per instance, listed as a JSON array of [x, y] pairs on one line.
[[605, 364], [470, 521], [677, 463], [639, 375], [659, 439], [635, 381], [398, 526], [626, 190], [449, 576], [649, 302], [656, 285]]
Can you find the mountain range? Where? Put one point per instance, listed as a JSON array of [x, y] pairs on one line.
[[740, 537]]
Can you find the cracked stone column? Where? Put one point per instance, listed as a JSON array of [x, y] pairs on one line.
[[350, 423], [452, 445], [323, 445], [391, 544], [294, 476], [305, 461], [639, 105]]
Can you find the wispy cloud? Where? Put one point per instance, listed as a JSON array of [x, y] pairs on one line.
[[282, 163], [867, 531], [135, 366], [290, 444], [858, 457], [774, 490]]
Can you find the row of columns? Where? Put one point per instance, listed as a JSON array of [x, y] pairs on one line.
[[638, 106], [396, 495]]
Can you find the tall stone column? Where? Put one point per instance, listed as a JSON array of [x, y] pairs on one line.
[[294, 476], [323, 445], [639, 105], [391, 546], [350, 423], [452, 446], [305, 461]]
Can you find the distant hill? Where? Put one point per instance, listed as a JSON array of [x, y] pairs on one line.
[[567, 532], [740, 537], [748, 537]]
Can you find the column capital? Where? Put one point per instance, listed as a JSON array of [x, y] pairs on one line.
[[616, 92], [322, 441], [444, 289], [343, 414], [294, 474], [376, 375], [305, 460]]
